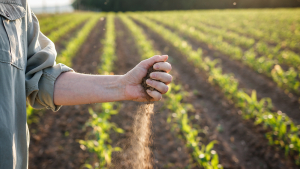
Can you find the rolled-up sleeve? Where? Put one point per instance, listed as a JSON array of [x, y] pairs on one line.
[[41, 70]]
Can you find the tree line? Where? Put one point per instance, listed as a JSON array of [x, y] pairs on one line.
[[153, 5]]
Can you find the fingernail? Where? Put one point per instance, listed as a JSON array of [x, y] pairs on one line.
[[148, 81]]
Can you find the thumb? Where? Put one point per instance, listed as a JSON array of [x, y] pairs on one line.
[[150, 62]]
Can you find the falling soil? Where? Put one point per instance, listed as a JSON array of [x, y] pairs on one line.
[[137, 153]]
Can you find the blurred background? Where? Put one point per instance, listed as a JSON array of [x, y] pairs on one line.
[[59, 6], [51, 6]]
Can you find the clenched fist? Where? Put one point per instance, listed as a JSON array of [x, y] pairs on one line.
[[133, 79]]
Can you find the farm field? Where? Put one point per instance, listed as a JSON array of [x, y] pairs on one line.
[[234, 103]]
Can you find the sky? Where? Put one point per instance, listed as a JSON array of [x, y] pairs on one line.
[[39, 3]]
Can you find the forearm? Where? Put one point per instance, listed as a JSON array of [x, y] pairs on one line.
[[74, 88]]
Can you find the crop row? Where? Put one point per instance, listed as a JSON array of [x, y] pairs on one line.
[[56, 35], [144, 47], [49, 20], [44, 16], [204, 155], [74, 44], [57, 24], [275, 53], [99, 141], [283, 132], [108, 57], [190, 23], [287, 57], [266, 26], [285, 79]]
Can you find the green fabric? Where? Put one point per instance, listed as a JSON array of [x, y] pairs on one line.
[[27, 70]]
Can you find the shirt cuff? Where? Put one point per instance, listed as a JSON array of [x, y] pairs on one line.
[[44, 94]]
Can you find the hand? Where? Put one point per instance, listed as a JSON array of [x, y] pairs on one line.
[[133, 79]]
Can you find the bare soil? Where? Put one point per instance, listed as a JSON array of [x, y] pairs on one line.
[[243, 142], [54, 139]]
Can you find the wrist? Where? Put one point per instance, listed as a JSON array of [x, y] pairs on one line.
[[123, 84], [121, 88], [109, 88]]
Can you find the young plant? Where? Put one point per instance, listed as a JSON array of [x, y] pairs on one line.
[[205, 156], [99, 142], [109, 54]]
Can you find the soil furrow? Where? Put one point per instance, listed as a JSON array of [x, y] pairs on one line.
[[251, 80], [127, 58], [247, 144], [168, 151], [54, 139]]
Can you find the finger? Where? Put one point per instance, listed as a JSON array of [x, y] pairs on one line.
[[155, 95], [149, 62], [160, 86], [161, 76], [164, 66]]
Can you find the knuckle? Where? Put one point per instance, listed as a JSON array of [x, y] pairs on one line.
[[155, 84], [152, 75], [155, 75], [156, 66], [161, 86], [156, 57], [142, 62], [161, 76]]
